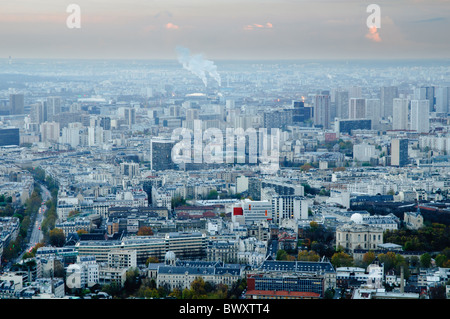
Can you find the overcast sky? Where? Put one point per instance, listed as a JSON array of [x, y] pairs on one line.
[[225, 29]]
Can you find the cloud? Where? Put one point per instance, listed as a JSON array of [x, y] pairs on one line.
[[437, 19], [172, 26], [373, 35], [164, 13], [268, 25]]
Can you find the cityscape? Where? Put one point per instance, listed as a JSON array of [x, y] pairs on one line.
[[232, 179]]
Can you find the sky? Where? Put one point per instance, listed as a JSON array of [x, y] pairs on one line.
[[225, 29]]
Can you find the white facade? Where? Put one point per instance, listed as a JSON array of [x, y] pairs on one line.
[[50, 132], [373, 110], [420, 116], [357, 108], [84, 273], [289, 207], [363, 152], [256, 211], [400, 114], [442, 99]]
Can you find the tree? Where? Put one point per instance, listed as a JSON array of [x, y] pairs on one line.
[[440, 260], [178, 201], [341, 259], [329, 294], [186, 294], [425, 260], [132, 281], [213, 194], [388, 259], [151, 260], [113, 289], [198, 288], [305, 167], [145, 231], [281, 255], [305, 255], [176, 293], [57, 237], [368, 258]]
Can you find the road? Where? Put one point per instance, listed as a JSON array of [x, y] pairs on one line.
[[36, 233]]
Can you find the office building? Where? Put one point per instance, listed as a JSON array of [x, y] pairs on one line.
[[357, 108], [420, 116], [346, 126], [341, 102], [290, 280], [9, 136], [301, 113], [278, 118], [253, 212], [53, 107], [399, 152], [400, 114], [442, 99], [387, 96], [425, 93], [363, 152], [289, 207], [38, 113], [161, 154], [373, 110], [129, 169], [105, 123], [322, 110], [50, 132], [16, 104]]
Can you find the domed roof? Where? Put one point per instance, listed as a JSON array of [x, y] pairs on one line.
[[357, 218], [170, 256]]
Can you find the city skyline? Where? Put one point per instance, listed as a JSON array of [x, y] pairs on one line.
[[226, 30]]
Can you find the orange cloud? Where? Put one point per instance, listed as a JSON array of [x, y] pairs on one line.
[[268, 25], [172, 26], [373, 35]]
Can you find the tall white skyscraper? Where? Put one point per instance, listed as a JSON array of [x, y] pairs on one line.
[[387, 95], [425, 93], [53, 107], [341, 102], [420, 116], [355, 92], [373, 111], [50, 131], [400, 114], [442, 99], [357, 108], [38, 112], [322, 106]]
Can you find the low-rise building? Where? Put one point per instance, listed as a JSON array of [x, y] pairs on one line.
[[356, 235], [290, 279]]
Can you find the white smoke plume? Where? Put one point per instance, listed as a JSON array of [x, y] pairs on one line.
[[197, 65]]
